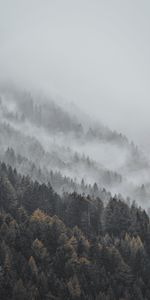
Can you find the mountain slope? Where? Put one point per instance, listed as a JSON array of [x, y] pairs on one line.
[[69, 247], [43, 132]]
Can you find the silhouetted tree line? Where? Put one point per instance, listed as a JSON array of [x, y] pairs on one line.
[[69, 247]]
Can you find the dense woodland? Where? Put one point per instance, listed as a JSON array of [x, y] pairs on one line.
[[37, 137], [70, 246], [74, 150], [60, 158], [64, 232]]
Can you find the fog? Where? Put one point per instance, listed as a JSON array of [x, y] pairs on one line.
[[93, 53], [74, 75], [74, 149], [37, 137]]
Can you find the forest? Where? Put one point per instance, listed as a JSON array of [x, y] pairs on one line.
[[74, 150], [70, 246], [40, 138], [74, 206]]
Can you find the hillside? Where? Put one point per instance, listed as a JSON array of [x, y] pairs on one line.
[[69, 247], [55, 140]]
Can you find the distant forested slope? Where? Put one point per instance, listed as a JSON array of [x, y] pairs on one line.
[[51, 139]]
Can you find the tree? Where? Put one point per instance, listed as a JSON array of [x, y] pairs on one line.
[[19, 291], [74, 288], [33, 267]]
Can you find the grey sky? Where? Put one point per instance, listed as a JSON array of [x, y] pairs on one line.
[[93, 52]]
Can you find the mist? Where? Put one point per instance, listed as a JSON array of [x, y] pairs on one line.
[[92, 53], [88, 63], [74, 149]]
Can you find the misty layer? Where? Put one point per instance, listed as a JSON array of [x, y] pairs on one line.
[[49, 137]]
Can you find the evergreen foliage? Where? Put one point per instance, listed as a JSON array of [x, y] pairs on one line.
[[71, 246]]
